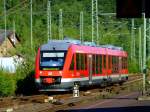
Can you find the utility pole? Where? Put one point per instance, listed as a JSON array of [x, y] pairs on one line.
[[49, 28], [31, 23], [132, 40], [148, 39], [81, 26], [14, 30], [95, 28], [140, 51], [144, 55], [92, 20], [97, 24], [60, 25], [5, 20], [48, 21]]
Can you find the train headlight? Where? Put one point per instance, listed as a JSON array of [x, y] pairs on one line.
[[60, 72], [50, 74], [37, 80], [40, 72]]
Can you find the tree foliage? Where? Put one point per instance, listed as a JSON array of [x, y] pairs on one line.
[[111, 30]]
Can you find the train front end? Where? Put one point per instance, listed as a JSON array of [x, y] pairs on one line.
[[49, 66]]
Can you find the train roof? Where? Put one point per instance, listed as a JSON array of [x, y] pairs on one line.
[[97, 50], [64, 44]]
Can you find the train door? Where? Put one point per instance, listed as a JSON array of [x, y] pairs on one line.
[[89, 65]]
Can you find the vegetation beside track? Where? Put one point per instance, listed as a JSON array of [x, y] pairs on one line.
[[19, 11], [64, 101]]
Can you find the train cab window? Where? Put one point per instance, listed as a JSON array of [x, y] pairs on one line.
[[52, 60]]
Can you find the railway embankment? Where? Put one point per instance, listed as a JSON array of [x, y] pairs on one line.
[[55, 102]]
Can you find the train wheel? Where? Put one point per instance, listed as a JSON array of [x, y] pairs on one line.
[[121, 83]]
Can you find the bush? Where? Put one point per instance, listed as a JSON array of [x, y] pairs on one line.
[[148, 63], [7, 84], [133, 66], [25, 78]]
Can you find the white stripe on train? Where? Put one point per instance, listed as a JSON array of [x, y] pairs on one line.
[[93, 78]]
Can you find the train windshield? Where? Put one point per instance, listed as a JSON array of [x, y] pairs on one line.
[[52, 60]]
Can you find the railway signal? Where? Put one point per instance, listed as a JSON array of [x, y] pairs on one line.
[[76, 91]]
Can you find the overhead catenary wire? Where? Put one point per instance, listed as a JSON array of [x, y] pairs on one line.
[[115, 29], [11, 10]]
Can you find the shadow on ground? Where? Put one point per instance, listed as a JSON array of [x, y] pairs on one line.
[[113, 109], [27, 85]]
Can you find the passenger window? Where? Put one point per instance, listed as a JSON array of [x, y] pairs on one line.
[[104, 61], [72, 63], [81, 61], [100, 63]]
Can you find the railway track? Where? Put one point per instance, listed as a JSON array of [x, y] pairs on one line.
[[64, 99], [95, 94]]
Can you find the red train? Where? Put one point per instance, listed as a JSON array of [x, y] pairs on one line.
[[60, 64]]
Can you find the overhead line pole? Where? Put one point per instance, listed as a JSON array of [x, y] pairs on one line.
[[144, 55], [81, 26], [14, 30], [97, 24], [95, 27], [31, 23], [48, 21], [132, 39], [92, 20], [148, 39], [5, 20], [140, 51], [60, 25]]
